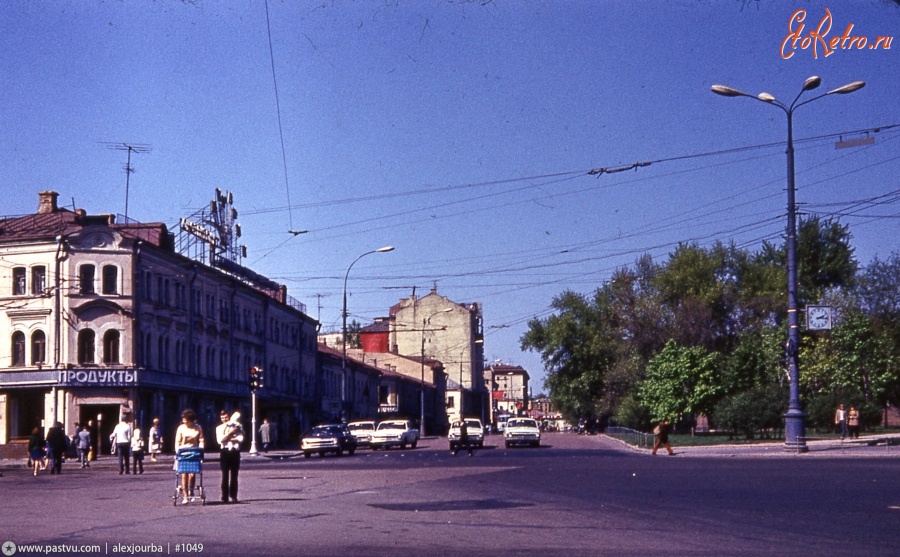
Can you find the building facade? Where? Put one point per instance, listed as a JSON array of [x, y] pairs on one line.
[[435, 327], [105, 319]]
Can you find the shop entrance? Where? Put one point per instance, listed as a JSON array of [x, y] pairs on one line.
[[109, 417]]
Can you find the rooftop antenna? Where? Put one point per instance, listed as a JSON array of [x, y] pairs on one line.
[[130, 148]]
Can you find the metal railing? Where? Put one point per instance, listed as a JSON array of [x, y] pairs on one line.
[[631, 436]]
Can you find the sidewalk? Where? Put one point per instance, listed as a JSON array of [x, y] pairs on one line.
[[829, 448]]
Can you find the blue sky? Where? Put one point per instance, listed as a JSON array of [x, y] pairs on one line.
[[460, 132]]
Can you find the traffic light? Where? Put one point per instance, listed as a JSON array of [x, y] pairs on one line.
[[260, 382], [254, 379]]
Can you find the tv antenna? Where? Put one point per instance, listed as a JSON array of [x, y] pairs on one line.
[[130, 148]]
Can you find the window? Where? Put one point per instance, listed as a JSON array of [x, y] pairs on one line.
[[19, 281], [38, 279], [86, 346], [110, 279], [111, 347], [86, 279], [18, 349], [38, 348]]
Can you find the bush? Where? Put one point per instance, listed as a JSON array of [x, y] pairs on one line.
[[631, 413], [750, 412]]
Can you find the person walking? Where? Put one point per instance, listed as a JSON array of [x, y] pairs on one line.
[[265, 434], [853, 422], [230, 435], [121, 440], [662, 437], [840, 420], [156, 440], [36, 450], [83, 446], [56, 447], [463, 438], [94, 430], [137, 451], [188, 435]]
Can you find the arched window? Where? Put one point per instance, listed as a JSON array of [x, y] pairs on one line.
[[18, 349], [86, 279], [86, 339], [110, 279], [111, 347], [38, 348]]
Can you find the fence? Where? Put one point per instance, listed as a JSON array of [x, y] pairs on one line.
[[631, 436]]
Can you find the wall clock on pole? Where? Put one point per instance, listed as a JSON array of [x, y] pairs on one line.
[[818, 318]]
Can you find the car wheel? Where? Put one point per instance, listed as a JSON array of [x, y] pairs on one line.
[[321, 454], [351, 451], [508, 444], [402, 446], [414, 443], [452, 446], [339, 451], [307, 454]]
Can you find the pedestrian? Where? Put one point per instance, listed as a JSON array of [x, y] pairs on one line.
[[853, 422], [121, 441], [36, 450], [265, 434], [155, 439], [662, 437], [463, 438], [840, 420], [230, 435], [137, 451], [83, 446], [56, 447], [188, 435]]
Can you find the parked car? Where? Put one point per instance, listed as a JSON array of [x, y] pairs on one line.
[[522, 431], [394, 433], [332, 438], [475, 430], [362, 431]]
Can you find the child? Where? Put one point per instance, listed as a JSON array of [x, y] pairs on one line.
[[137, 450]]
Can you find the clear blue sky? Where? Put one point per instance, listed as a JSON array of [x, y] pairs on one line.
[[460, 132]]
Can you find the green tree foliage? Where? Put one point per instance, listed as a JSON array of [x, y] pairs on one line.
[[751, 411], [577, 349], [680, 380]]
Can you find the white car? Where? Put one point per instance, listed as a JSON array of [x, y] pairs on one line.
[[394, 433], [475, 430], [522, 431], [362, 431]]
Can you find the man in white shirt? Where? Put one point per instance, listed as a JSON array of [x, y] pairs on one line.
[[230, 435], [121, 439]]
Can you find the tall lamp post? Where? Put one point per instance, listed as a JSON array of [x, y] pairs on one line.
[[344, 330], [795, 439], [422, 389]]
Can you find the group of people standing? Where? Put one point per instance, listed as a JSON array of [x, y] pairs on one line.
[[128, 445], [847, 421]]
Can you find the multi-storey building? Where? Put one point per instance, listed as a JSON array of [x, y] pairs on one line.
[[104, 319], [509, 389], [435, 327]]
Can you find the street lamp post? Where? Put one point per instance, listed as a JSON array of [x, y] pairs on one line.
[[344, 331], [794, 433], [422, 387]]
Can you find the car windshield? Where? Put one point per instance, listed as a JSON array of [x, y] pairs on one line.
[[473, 424], [392, 425], [355, 427], [325, 431], [522, 423]]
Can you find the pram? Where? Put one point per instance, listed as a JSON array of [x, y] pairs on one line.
[[189, 460]]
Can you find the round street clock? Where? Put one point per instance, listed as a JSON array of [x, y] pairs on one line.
[[818, 318]]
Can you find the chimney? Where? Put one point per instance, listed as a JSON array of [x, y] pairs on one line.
[[47, 202]]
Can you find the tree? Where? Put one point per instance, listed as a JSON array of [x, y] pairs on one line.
[[680, 380], [577, 348]]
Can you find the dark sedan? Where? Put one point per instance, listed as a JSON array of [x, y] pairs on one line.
[[328, 439]]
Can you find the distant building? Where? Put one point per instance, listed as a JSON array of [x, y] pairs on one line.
[[509, 389]]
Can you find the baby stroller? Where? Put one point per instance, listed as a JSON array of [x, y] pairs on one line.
[[189, 460]]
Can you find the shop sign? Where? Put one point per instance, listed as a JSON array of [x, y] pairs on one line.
[[98, 377]]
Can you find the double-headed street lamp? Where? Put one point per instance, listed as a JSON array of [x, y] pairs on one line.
[[344, 331], [422, 389], [795, 439]]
